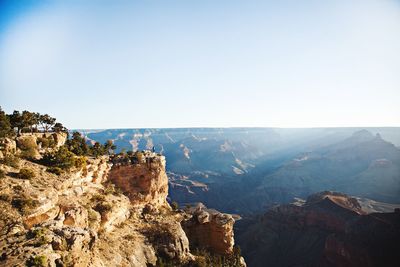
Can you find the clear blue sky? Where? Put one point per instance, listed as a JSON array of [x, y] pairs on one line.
[[128, 64]]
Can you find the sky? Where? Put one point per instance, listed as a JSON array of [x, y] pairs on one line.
[[209, 63]]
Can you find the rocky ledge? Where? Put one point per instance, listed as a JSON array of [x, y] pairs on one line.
[[109, 213], [328, 229]]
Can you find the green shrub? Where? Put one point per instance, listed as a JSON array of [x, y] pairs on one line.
[[55, 170], [39, 234], [37, 261], [80, 162], [26, 174], [36, 233], [62, 158], [46, 142]]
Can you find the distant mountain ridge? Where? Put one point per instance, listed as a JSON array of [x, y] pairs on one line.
[[245, 170]]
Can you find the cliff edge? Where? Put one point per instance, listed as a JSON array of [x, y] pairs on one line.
[[105, 212]]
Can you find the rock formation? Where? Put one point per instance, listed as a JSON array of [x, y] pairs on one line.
[[145, 181], [108, 213], [210, 229], [329, 229]]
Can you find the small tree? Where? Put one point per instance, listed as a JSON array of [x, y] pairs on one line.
[[5, 125], [174, 205], [58, 127], [109, 147], [77, 144], [62, 158], [29, 119], [47, 122], [16, 121], [97, 150]]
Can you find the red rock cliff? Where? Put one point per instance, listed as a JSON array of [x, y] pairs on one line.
[[144, 181]]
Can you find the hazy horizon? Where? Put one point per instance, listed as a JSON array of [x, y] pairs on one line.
[[207, 64]]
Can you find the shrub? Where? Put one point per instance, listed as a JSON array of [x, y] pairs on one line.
[[28, 154], [161, 262], [10, 160], [103, 207], [2, 174], [110, 188], [17, 187], [46, 142], [206, 258], [24, 204], [174, 205], [92, 215], [5, 198], [62, 158], [98, 198], [37, 261], [200, 262], [77, 144], [26, 174], [28, 147], [39, 234], [55, 170], [81, 162]]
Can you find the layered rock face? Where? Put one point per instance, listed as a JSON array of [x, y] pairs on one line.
[[329, 229], [101, 215], [145, 181], [210, 229]]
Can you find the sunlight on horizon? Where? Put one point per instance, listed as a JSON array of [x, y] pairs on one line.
[[209, 63]]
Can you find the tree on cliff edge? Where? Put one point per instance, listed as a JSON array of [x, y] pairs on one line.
[[46, 121], [5, 125]]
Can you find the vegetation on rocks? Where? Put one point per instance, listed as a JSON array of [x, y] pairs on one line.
[[81, 218], [26, 173], [2, 174], [37, 261], [5, 125], [10, 160], [24, 204]]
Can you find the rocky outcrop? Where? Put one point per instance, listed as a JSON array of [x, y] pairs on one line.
[[210, 229], [31, 145], [144, 182], [7, 146], [103, 214], [329, 229], [59, 138]]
